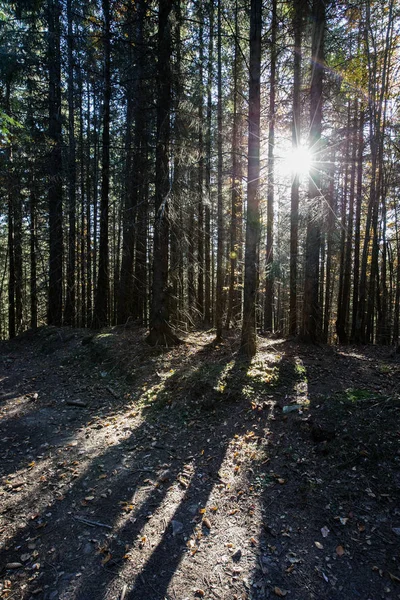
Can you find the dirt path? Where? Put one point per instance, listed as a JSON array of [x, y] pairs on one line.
[[134, 474]]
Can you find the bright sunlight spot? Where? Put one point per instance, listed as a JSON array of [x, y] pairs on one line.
[[298, 161]]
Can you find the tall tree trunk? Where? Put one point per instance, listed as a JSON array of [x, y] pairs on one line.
[[311, 308], [329, 251], [357, 223], [294, 196], [200, 191], [11, 269], [269, 279], [176, 263], [207, 217], [249, 333], [340, 321], [101, 308], [56, 247], [33, 259], [70, 308], [133, 170], [236, 180], [220, 227], [160, 329], [349, 232]]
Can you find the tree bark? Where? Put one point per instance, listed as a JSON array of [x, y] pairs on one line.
[[269, 278], [56, 247], [294, 195], [70, 299], [249, 333], [311, 308], [219, 308], [101, 308], [160, 329]]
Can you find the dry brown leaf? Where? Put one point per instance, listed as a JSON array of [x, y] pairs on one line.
[[279, 592], [340, 550], [207, 523]]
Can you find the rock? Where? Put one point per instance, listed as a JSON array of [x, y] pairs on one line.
[[237, 556], [78, 403], [87, 549], [177, 527]]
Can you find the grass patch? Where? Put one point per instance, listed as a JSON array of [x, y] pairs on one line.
[[355, 395]]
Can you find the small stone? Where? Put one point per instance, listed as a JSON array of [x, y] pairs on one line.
[[88, 549], [177, 527], [237, 556]]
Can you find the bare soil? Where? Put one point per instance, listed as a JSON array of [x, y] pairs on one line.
[[134, 473]]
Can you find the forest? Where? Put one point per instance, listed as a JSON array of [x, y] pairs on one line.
[[201, 164], [199, 300]]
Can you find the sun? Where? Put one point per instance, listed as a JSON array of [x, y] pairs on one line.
[[298, 161]]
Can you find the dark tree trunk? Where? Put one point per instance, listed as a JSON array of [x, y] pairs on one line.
[[133, 167], [207, 224], [236, 181], [70, 299], [349, 233], [101, 308], [269, 279], [56, 248], [340, 321], [219, 307], [160, 329], [357, 224], [311, 308], [33, 259], [249, 333], [294, 197], [200, 191], [11, 270], [329, 279]]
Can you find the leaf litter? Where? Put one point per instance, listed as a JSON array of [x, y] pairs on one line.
[[246, 486]]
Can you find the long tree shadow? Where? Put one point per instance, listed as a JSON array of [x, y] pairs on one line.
[[99, 503], [337, 474], [236, 413], [42, 415]]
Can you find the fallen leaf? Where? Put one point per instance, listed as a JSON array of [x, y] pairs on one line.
[[281, 481], [319, 545], [394, 578], [89, 498], [340, 550], [207, 523], [279, 592]]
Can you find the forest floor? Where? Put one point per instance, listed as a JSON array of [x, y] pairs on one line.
[[134, 473]]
